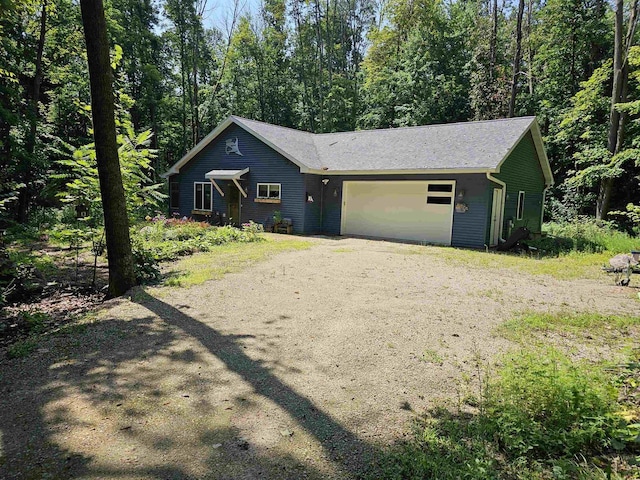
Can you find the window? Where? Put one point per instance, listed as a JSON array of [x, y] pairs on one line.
[[439, 200], [174, 194], [202, 196], [520, 209], [269, 190], [440, 187]]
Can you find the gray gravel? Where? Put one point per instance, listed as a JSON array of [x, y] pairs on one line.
[[303, 366]]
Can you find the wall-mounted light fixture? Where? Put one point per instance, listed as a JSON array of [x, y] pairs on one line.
[[460, 194], [325, 181], [335, 192]]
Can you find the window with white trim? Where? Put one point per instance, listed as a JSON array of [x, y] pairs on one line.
[[202, 196], [268, 190], [520, 209]]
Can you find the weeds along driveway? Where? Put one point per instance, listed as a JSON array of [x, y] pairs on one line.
[[302, 366]]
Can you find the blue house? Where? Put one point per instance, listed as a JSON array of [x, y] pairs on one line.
[[463, 184]]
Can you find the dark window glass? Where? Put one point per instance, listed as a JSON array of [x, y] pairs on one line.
[[263, 191], [438, 187], [198, 199], [207, 197], [274, 191], [174, 194], [439, 200]]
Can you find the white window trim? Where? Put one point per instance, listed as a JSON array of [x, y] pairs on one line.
[[194, 196], [520, 205], [279, 197]]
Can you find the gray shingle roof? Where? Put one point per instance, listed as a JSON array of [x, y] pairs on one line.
[[470, 145]]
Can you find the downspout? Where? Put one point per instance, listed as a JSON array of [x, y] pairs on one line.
[[321, 207], [547, 186], [504, 198]]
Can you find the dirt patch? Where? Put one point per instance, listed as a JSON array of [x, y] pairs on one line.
[[303, 366]]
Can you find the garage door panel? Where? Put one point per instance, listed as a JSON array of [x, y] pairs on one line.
[[396, 210]]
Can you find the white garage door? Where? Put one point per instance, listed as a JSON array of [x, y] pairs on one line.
[[404, 210]]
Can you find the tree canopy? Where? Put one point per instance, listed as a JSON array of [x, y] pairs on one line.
[[321, 66]]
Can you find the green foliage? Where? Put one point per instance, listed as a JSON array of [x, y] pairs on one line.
[[631, 215], [146, 266], [584, 235], [170, 239], [83, 185], [542, 415], [226, 258], [444, 446], [22, 348], [521, 329], [543, 403], [583, 131]]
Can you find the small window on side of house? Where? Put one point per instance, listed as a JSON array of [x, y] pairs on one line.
[[202, 196], [269, 190], [520, 209], [174, 194]]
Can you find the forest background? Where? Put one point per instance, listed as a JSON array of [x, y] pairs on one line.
[[182, 66]]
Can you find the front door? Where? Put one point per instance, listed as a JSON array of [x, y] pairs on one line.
[[233, 203], [496, 216]]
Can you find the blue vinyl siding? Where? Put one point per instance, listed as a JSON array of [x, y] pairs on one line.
[[265, 166], [323, 215], [313, 214], [469, 228]]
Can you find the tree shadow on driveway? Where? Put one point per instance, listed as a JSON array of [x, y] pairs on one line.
[[94, 403], [347, 452]]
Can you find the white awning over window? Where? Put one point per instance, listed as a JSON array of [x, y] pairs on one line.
[[233, 175], [225, 174]]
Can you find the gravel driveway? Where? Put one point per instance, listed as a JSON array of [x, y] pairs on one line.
[[302, 366]]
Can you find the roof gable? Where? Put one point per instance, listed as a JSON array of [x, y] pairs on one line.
[[461, 147]]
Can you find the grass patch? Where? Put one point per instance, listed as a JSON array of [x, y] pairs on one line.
[[224, 259], [431, 356], [542, 415], [22, 348], [571, 250], [564, 267], [585, 235], [595, 324]]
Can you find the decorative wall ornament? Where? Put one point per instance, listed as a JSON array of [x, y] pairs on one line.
[[231, 146], [461, 207]]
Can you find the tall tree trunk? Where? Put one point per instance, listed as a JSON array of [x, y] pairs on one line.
[[615, 138], [196, 100], [493, 41], [116, 222], [319, 80], [529, 48], [516, 60], [24, 197], [183, 83]]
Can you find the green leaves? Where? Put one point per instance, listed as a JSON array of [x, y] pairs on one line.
[[82, 182]]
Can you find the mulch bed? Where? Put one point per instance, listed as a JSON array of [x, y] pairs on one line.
[[51, 311]]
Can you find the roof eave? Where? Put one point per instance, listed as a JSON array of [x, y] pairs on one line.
[[539, 146], [417, 171], [175, 168]]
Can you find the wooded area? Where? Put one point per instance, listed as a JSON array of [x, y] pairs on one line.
[[321, 66]]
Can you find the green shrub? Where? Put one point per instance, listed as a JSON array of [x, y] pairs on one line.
[[22, 348], [543, 403], [444, 446], [584, 235], [173, 238], [145, 264]]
